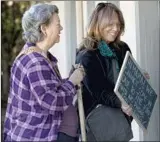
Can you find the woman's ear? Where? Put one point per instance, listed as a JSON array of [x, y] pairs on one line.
[[43, 29]]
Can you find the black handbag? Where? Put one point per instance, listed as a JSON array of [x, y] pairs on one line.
[[107, 124]]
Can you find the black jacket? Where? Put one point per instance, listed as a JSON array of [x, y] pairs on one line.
[[97, 86]]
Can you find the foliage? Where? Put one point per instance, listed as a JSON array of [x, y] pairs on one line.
[[11, 38]]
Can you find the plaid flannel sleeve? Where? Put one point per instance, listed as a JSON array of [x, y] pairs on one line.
[[50, 93]]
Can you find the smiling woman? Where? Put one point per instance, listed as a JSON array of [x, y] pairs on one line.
[[52, 30], [111, 31], [101, 53], [38, 95]]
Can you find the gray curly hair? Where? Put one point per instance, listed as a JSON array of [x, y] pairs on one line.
[[33, 18]]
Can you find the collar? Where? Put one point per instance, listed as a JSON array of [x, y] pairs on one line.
[[45, 54]]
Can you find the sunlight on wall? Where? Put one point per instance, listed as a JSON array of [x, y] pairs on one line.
[[59, 49], [128, 10]]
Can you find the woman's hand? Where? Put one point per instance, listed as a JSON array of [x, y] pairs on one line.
[[146, 74], [126, 109], [78, 74]]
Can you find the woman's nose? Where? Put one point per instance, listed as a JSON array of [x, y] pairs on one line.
[[116, 27], [61, 28]]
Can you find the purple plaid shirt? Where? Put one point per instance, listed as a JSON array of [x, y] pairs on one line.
[[37, 99]]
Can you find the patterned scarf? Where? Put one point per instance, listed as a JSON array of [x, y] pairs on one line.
[[107, 52]]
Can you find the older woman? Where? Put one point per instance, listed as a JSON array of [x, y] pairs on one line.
[[38, 95]]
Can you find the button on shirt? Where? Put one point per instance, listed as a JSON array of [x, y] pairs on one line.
[[38, 97]]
